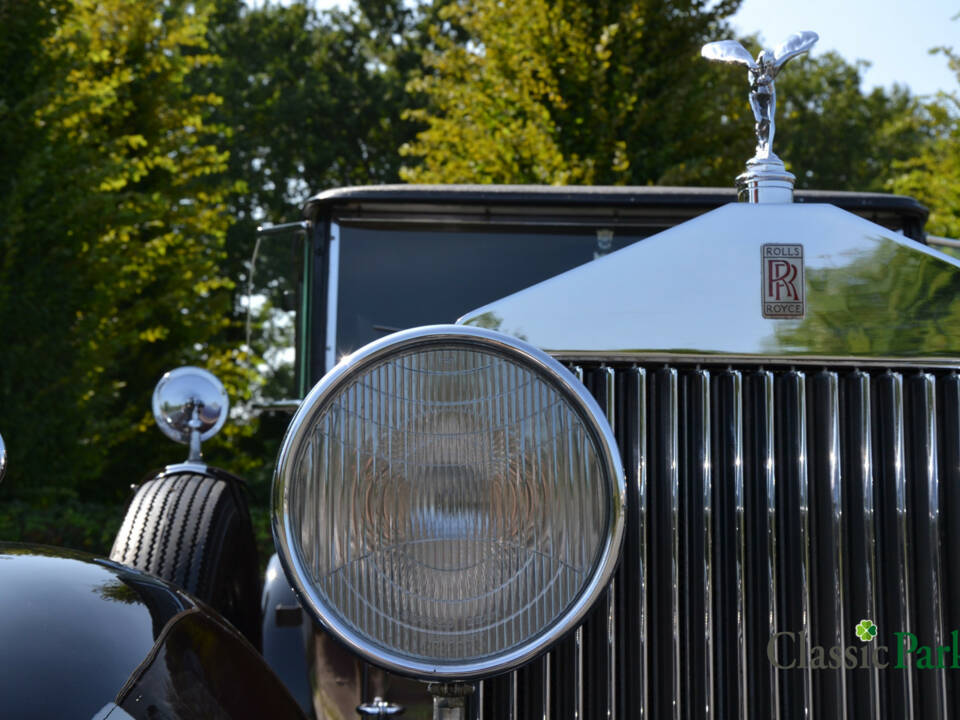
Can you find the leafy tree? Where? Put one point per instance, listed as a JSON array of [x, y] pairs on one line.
[[933, 175], [311, 100], [837, 137], [558, 91], [113, 224]]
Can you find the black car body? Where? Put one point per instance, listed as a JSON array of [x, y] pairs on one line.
[[85, 637]]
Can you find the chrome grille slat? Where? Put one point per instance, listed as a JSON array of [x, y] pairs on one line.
[[760, 551], [948, 408], [827, 540], [634, 671], [924, 501], [894, 594], [728, 549], [793, 570], [609, 391], [863, 686], [664, 545], [765, 500], [695, 513]]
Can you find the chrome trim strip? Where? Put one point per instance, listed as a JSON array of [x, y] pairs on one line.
[[870, 527], [826, 409], [705, 461], [186, 467], [793, 597], [301, 426], [674, 482], [578, 674], [578, 635], [948, 411], [860, 570], [942, 241], [772, 529], [804, 478], [333, 277], [610, 388], [740, 534], [643, 489], [925, 481], [892, 535], [902, 525], [285, 405], [547, 697]]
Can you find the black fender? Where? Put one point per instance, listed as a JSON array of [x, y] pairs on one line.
[[84, 636], [287, 633]]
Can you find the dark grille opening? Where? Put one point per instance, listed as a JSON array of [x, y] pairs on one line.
[[767, 501]]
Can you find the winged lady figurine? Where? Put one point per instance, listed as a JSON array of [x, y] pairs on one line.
[[762, 72]]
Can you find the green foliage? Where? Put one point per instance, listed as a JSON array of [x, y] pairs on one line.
[[559, 91], [113, 228], [58, 516], [837, 137], [311, 101], [912, 306], [562, 92], [933, 175]]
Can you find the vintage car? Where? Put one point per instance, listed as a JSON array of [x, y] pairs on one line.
[[678, 456]]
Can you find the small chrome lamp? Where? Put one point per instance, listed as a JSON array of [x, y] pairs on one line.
[[190, 406]]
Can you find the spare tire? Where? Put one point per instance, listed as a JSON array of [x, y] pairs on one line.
[[192, 528]]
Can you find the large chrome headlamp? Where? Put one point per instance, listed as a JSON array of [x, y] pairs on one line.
[[449, 501]]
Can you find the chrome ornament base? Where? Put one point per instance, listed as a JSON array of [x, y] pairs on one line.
[[766, 180]]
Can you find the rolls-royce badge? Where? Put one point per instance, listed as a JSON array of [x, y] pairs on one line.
[[782, 272]]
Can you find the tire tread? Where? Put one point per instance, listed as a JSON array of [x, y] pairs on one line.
[[194, 530]]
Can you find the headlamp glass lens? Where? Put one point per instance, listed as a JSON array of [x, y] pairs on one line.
[[449, 503]]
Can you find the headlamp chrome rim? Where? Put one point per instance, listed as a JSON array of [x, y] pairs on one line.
[[314, 404]]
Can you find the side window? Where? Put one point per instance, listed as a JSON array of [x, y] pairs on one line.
[[272, 297]]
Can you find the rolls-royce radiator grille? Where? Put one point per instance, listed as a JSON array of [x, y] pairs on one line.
[[771, 511]]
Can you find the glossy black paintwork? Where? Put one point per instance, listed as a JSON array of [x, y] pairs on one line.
[[78, 633], [202, 668], [73, 628]]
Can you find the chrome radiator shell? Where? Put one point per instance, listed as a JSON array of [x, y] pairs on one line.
[[762, 500]]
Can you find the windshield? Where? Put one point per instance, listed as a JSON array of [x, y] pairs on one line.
[[391, 279]]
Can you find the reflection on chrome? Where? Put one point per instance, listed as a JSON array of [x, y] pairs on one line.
[[624, 307], [190, 405]]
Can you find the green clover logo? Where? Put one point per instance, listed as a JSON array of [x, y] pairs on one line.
[[866, 630]]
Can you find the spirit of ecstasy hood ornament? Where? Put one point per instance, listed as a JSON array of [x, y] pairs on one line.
[[766, 178]]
